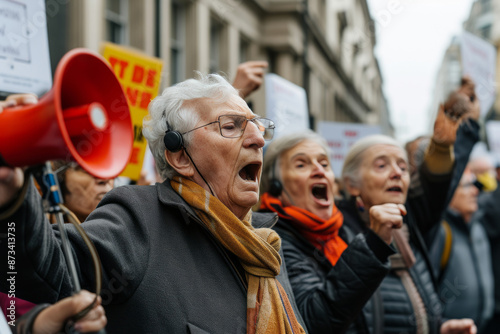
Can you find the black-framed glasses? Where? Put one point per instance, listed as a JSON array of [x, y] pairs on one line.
[[233, 126]]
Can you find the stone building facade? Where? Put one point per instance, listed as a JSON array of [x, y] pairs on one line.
[[325, 46]]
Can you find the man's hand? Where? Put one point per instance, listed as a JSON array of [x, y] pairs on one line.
[[459, 326], [249, 77], [386, 217], [18, 100], [52, 319]]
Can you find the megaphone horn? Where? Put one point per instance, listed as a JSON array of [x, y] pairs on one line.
[[85, 116]]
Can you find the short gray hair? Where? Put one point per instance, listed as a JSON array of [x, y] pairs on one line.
[[277, 147], [354, 158], [181, 105]]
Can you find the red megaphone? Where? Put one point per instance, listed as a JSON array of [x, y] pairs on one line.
[[85, 117]]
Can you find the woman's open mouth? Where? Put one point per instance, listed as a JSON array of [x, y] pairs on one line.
[[319, 191], [320, 194]]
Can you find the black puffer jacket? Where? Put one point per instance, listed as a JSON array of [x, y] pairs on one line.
[[330, 297], [163, 272], [390, 310]]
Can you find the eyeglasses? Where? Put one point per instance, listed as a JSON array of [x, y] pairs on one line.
[[233, 126]]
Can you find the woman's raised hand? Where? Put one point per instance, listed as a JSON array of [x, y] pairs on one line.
[[386, 217]]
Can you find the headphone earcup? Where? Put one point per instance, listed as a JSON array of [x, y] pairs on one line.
[[275, 187], [173, 141]]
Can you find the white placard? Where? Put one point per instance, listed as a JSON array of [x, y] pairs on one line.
[[340, 137], [4, 327], [479, 62], [24, 47], [286, 105], [493, 133]]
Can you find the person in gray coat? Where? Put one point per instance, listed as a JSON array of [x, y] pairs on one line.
[[461, 259]]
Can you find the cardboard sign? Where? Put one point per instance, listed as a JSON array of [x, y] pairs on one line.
[[340, 137], [493, 134], [478, 62], [286, 105], [140, 76], [24, 48]]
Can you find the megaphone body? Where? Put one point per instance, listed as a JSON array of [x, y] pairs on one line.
[[84, 117]]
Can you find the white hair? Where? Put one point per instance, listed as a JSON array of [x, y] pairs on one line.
[[278, 147], [352, 163], [181, 106]]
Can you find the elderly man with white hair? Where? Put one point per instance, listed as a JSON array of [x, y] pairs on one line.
[[184, 256]]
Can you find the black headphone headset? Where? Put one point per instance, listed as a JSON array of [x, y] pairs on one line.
[[275, 186], [173, 140]]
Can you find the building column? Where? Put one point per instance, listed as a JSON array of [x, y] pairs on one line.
[[233, 49], [142, 28], [93, 25], [285, 66], [197, 38]]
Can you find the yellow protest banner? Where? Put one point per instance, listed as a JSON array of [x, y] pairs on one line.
[[140, 76]]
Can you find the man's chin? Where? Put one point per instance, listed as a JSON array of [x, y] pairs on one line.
[[248, 198]]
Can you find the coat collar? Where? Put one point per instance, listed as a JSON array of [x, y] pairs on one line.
[[168, 196]]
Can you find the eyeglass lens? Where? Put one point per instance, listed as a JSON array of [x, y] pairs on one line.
[[232, 126]]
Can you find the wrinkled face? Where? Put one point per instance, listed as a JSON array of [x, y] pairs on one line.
[[84, 192], [464, 199], [308, 179], [384, 176], [232, 166]]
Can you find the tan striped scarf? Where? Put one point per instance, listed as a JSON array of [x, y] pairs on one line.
[[268, 307]]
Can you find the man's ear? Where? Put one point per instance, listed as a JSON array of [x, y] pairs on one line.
[[180, 162], [352, 187]]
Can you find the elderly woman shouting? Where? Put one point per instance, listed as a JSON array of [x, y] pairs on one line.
[[331, 280], [376, 172], [184, 256]]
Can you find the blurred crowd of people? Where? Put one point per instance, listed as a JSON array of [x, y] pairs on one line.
[[239, 236]]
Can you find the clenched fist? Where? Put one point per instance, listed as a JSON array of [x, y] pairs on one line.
[[386, 217], [249, 77]]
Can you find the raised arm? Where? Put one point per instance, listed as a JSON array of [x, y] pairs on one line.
[[455, 133]]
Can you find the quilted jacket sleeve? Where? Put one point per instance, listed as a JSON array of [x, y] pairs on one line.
[[330, 297]]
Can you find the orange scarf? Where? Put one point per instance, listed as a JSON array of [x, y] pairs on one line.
[[268, 309], [323, 234]]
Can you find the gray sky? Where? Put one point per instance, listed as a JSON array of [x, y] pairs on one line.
[[412, 36]]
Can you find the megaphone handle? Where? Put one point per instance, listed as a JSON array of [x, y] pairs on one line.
[[67, 252], [55, 198]]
